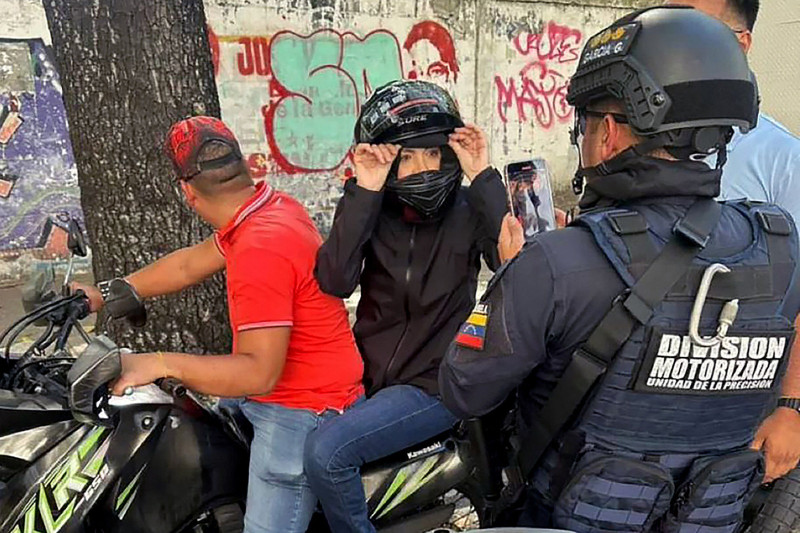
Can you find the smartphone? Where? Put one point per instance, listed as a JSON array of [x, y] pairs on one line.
[[530, 195]]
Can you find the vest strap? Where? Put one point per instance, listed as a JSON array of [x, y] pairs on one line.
[[776, 228], [632, 228]]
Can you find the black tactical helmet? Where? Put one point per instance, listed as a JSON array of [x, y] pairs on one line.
[[414, 114], [680, 74]]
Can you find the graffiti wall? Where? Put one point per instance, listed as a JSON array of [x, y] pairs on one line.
[[528, 56], [308, 88], [38, 180], [538, 91], [292, 76], [292, 93], [291, 83]]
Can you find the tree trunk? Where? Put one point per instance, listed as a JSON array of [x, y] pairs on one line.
[[129, 70]]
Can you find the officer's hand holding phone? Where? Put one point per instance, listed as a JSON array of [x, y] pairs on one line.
[[511, 240]]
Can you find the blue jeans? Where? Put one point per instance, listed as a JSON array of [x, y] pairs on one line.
[[279, 499], [394, 419]]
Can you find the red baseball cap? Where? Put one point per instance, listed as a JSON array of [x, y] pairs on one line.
[[187, 138]]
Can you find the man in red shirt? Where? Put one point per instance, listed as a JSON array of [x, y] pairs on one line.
[[293, 356]]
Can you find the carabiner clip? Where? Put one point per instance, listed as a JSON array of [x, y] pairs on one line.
[[726, 316]]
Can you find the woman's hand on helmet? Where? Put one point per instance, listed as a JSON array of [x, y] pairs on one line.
[[470, 145], [372, 164]]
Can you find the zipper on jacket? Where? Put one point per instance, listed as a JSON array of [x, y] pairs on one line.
[[405, 304]]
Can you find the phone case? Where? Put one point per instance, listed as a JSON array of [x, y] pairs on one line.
[[530, 195]]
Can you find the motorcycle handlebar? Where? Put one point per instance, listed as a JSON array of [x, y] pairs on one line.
[[76, 305], [171, 386]]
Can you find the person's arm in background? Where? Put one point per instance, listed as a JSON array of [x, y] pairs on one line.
[[340, 258], [487, 194], [171, 273], [785, 186], [779, 434]]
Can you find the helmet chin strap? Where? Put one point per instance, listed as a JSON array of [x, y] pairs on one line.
[[681, 144]]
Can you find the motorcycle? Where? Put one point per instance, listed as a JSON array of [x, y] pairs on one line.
[[73, 459], [163, 459]]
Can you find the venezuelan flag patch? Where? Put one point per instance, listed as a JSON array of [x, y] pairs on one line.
[[473, 333]]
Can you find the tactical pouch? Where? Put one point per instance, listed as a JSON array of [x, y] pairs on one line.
[[715, 493], [613, 494]]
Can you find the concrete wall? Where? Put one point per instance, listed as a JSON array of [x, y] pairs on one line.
[[775, 57], [292, 75]]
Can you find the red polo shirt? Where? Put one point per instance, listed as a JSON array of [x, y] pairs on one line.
[[270, 249]]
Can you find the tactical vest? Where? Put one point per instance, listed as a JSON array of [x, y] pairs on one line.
[[662, 440]]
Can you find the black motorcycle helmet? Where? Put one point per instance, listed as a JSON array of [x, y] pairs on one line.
[[681, 76], [414, 114]]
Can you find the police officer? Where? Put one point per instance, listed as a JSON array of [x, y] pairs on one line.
[[647, 340]]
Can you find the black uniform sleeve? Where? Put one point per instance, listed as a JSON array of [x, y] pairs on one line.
[[519, 306], [487, 196], [340, 258]]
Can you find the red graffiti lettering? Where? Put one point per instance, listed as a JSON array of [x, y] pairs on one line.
[[213, 43], [254, 56], [558, 43], [540, 87]]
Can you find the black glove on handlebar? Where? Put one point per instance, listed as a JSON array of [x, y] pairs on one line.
[[122, 301]]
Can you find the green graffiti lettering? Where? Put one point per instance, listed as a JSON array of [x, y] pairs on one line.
[[371, 62], [326, 75]]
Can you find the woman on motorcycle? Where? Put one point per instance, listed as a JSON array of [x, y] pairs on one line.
[[412, 237]]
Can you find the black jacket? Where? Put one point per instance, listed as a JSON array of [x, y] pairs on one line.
[[418, 280]]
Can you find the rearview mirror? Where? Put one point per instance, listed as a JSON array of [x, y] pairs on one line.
[[88, 381], [76, 242]]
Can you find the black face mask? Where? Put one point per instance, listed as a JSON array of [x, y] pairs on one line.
[[428, 193]]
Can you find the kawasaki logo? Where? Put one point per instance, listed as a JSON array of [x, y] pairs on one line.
[[427, 449], [69, 484]]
